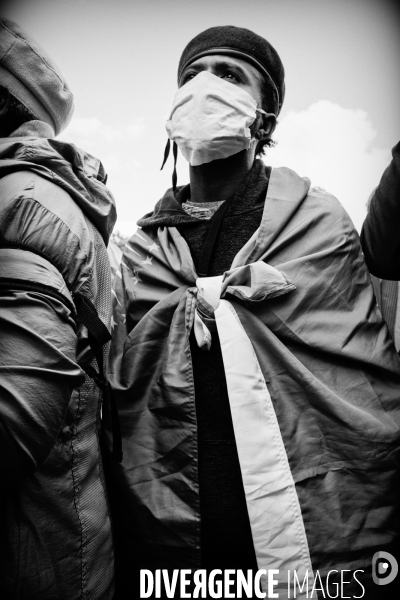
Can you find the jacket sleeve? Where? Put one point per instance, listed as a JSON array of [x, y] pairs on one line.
[[47, 254], [380, 236], [37, 375]]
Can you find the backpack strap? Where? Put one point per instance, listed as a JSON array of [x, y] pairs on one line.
[[98, 336], [25, 270], [28, 271]]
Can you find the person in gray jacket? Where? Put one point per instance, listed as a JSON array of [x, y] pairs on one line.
[[56, 216]]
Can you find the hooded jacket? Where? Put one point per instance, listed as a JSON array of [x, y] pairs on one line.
[[313, 384], [56, 216]]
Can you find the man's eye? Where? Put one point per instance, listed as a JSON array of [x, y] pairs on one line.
[[230, 76], [188, 77]]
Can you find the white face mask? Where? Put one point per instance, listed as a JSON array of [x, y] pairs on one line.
[[211, 119]]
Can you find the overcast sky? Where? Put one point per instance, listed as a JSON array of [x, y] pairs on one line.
[[341, 114]]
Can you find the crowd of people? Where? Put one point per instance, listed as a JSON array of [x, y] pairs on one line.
[[222, 393]]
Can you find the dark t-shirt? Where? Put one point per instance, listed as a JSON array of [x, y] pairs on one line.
[[226, 539]]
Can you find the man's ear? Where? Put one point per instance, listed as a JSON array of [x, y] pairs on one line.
[[267, 126], [4, 101]]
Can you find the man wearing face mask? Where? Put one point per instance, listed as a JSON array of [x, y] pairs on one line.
[[256, 384]]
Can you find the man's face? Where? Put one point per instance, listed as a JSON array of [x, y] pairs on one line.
[[232, 69]]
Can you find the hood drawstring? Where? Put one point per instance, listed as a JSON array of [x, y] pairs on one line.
[[166, 154]]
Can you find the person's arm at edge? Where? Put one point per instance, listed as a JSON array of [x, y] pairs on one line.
[[380, 235], [38, 372]]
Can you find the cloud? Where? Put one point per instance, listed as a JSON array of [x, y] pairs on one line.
[[118, 148], [113, 145], [91, 129], [333, 146]]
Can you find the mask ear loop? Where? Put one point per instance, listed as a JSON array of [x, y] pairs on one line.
[[166, 154]]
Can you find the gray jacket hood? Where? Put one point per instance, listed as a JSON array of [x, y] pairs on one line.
[[80, 174]]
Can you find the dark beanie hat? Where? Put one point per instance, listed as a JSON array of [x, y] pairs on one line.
[[244, 44]]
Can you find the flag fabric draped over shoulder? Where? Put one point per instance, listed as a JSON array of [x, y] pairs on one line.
[[313, 382]]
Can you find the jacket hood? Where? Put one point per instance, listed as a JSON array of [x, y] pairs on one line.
[[80, 174], [168, 211]]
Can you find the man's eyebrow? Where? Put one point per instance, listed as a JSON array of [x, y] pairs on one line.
[[220, 64], [229, 65]]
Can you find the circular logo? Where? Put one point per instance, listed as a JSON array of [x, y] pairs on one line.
[[384, 568]]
